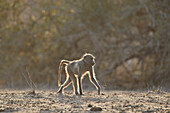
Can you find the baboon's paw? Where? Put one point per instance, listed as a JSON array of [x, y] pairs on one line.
[[59, 92], [81, 94]]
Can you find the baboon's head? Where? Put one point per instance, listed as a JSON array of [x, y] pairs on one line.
[[89, 59]]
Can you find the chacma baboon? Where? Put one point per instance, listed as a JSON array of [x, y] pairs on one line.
[[75, 70]]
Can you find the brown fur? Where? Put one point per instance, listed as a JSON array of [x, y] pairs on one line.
[[75, 70]]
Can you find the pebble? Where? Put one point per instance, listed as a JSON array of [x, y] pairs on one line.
[[96, 109], [89, 105]]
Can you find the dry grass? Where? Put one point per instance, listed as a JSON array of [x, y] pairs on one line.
[[108, 101]]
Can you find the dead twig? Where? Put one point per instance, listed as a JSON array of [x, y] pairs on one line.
[[29, 81]]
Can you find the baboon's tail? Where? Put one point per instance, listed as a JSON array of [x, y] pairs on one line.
[[60, 69]]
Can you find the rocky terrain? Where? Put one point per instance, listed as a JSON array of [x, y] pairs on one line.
[[45, 101]]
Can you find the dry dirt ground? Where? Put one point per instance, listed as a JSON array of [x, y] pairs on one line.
[[46, 101]]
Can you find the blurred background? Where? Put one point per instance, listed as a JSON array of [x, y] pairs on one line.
[[130, 39]]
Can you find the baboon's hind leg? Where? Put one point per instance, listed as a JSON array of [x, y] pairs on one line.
[[65, 84], [75, 87], [74, 82]]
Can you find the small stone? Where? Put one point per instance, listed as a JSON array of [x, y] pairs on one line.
[[2, 109], [89, 105], [75, 106], [31, 92], [96, 109]]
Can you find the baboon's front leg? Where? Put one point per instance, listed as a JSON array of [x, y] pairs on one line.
[[94, 81]]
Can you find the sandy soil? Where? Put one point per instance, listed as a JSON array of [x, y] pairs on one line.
[[45, 101]]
